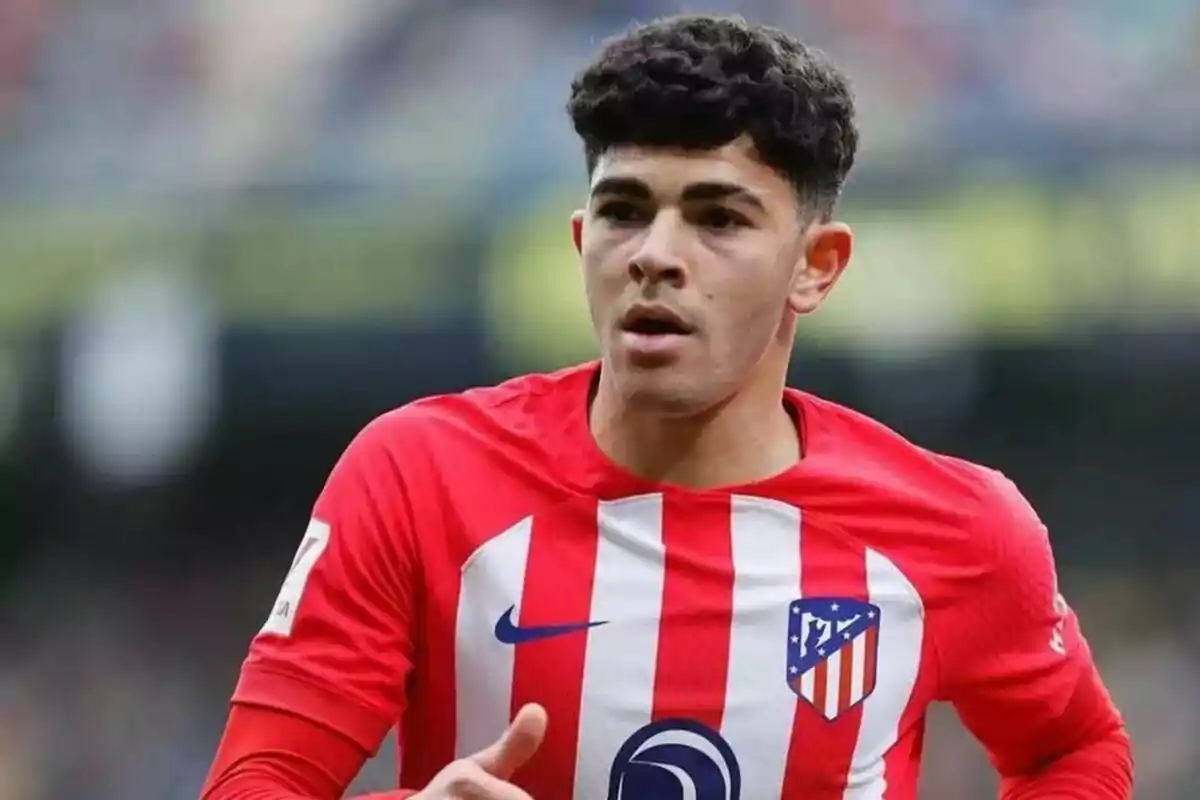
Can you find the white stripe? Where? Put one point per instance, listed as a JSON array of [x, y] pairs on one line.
[[759, 705], [492, 580], [859, 673], [808, 686], [901, 630], [618, 674], [833, 684]]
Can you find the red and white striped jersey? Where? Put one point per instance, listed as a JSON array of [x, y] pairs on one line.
[[475, 552]]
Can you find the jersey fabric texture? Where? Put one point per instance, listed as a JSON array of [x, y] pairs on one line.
[[474, 552]]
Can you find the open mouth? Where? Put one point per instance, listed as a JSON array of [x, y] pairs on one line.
[[655, 321], [655, 327], [654, 336]]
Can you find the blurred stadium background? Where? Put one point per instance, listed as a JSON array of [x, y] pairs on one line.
[[230, 233]]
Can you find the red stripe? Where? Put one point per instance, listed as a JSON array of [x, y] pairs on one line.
[[697, 610], [831, 565], [845, 683], [558, 590], [902, 763], [821, 686], [428, 747]]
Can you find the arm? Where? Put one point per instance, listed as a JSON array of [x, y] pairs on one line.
[[272, 755], [1020, 673], [325, 677]]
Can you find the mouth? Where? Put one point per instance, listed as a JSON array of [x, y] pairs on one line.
[[655, 321], [654, 336]]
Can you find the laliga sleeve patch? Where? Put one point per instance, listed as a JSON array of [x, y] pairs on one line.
[[283, 613]]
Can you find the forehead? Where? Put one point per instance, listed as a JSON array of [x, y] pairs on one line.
[[668, 171]]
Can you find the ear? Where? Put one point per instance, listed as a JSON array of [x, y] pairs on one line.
[[826, 254], [577, 230]]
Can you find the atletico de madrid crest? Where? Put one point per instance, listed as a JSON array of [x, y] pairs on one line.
[[833, 644]]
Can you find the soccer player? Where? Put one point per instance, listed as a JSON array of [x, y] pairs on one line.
[[665, 575]]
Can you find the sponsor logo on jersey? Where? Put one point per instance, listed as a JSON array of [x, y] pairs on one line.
[[510, 632], [675, 759]]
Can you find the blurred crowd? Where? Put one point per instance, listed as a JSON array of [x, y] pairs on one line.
[[121, 95], [115, 664]]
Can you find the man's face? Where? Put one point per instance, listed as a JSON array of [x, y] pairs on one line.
[[695, 264]]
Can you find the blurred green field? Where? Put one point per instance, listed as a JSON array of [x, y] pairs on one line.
[[985, 256]]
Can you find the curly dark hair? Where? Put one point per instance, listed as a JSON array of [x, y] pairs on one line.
[[700, 81]]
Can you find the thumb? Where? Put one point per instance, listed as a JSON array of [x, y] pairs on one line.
[[516, 745]]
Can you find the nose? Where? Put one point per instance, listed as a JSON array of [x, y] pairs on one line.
[[658, 259]]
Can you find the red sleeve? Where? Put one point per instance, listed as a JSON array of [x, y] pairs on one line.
[[273, 755], [337, 646], [1016, 666]]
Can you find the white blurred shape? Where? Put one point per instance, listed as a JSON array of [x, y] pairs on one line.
[[139, 377]]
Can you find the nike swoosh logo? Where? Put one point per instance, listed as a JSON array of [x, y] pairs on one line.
[[508, 632]]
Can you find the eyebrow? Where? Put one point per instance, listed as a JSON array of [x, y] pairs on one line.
[[704, 190]]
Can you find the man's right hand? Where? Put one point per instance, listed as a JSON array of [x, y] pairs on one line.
[[485, 775]]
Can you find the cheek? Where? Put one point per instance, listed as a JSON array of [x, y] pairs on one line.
[[750, 333], [605, 259], [601, 275], [752, 308]]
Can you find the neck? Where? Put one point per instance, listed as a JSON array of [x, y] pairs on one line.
[[749, 437]]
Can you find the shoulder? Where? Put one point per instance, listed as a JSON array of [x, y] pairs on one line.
[[519, 408], [441, 450], [424, 465], [969, 508]]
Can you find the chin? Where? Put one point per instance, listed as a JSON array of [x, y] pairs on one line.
[[667, 390]]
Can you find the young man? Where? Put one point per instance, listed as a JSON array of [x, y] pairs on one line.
[[681, 578]]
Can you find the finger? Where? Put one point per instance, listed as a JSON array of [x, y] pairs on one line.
[[480, 785], [517, 744]]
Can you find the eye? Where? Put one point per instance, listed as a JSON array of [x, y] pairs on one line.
[[621, 211], [719, 218]]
